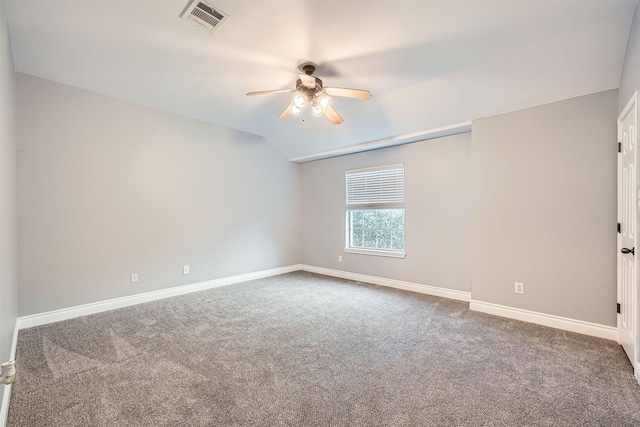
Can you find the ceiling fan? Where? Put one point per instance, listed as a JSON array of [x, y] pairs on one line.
[[309, 90]]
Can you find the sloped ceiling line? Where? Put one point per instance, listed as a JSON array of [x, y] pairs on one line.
[[429, 64]]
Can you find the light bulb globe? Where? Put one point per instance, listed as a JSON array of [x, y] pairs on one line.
[[299, 101]]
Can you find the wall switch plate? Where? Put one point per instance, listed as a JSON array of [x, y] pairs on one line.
[[518, 288], [134, 277], [340, 258], [185, 269]]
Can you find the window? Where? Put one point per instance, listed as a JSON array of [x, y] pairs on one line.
[[375, 211]]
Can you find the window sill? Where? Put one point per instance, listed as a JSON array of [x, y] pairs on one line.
[[375, 253]]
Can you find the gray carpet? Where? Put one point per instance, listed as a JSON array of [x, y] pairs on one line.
[[307, 350]]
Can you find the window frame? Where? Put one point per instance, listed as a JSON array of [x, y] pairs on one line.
[[395, 204]]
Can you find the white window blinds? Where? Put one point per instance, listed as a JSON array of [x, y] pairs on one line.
[[375, 188]]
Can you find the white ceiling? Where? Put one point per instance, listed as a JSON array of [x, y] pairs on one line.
[[430, 65]]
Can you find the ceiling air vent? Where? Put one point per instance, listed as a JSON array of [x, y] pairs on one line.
[[204, 15]]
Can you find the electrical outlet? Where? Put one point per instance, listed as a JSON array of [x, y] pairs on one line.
[[134, 277], [9, 372], [340, 258], [518, 288], [185, 269]]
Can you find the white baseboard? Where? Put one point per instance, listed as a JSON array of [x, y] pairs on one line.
[[407, 286], [4, 406], [564, 323], [24, 322]]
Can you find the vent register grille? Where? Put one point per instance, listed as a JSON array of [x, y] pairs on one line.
[[204, 15]]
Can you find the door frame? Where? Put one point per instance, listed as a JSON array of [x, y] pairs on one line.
[[633, 102]]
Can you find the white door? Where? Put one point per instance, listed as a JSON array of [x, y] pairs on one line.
[[627, 238]]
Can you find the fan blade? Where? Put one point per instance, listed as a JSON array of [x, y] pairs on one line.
[[268, 92], [332, 115], [348, 93], [286, 113], [308, 81]]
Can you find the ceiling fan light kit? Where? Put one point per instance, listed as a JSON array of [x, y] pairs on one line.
[[309, 90]]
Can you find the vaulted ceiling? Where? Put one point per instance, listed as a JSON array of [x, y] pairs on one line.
[[432, 66]]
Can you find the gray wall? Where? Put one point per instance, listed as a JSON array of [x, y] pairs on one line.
[[8, 251], [437, 213], [107, 188], [544, 208], [630, 78]]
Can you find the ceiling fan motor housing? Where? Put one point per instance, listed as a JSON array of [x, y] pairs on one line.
[[307, 91]]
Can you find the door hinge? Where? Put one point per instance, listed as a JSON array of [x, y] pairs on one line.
[[618, 308], [619, 228], [619, 147]]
